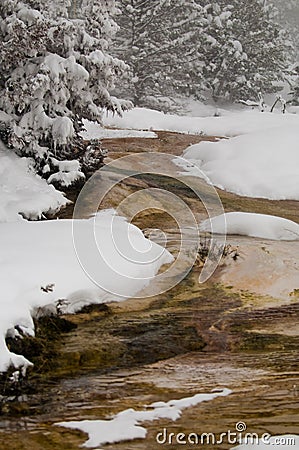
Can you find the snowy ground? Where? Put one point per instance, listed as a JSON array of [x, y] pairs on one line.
[[36, 255], [125, 426], [254, 225], [21, 191], [39, 266], [260, 159], [94, 131], [38, 261], [228, 124], [260, 164]]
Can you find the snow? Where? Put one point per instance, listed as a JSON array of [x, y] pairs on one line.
[[228, 124], [255, 225], [4, 117], [66, 165], [62, 131], [66, 179], [59, 67], [36, 255], [95, 131], [261, 164], [28, 15], [125, 426], [294, 109], [286, 442], [23, 193], [68, 172]]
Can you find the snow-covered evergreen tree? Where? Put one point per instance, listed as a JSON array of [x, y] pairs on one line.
[[288, 16], [230, 49], [55, 69], [155, 40], [294, 100], [247, 51]]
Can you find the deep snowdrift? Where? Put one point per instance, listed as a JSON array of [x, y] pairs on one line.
[[263, 164], [35, 255], [22, 191], [232, 124], [255, 225]]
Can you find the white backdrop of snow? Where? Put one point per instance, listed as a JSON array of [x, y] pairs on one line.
[[263, 164], [255, 225], [125, 426], [37, 254], [229, 124]]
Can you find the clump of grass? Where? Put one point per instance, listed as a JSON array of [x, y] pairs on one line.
[[209, 247]]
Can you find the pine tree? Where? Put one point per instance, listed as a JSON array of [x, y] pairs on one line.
[[55, 70], [287, 15], [155, 40], [295, 88], [227, 49], [295, 99], [247, 51]]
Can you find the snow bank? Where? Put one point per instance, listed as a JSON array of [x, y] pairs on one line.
[[255, 225], [39, 266], [286, 442], [232, 124], [263, 164], [125, 426], [68, 172], [23, 192], [95, 131]]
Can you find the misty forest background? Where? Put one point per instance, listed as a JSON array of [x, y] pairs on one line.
[[64, 61]]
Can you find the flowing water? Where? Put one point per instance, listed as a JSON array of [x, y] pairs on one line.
[[239, 330]]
